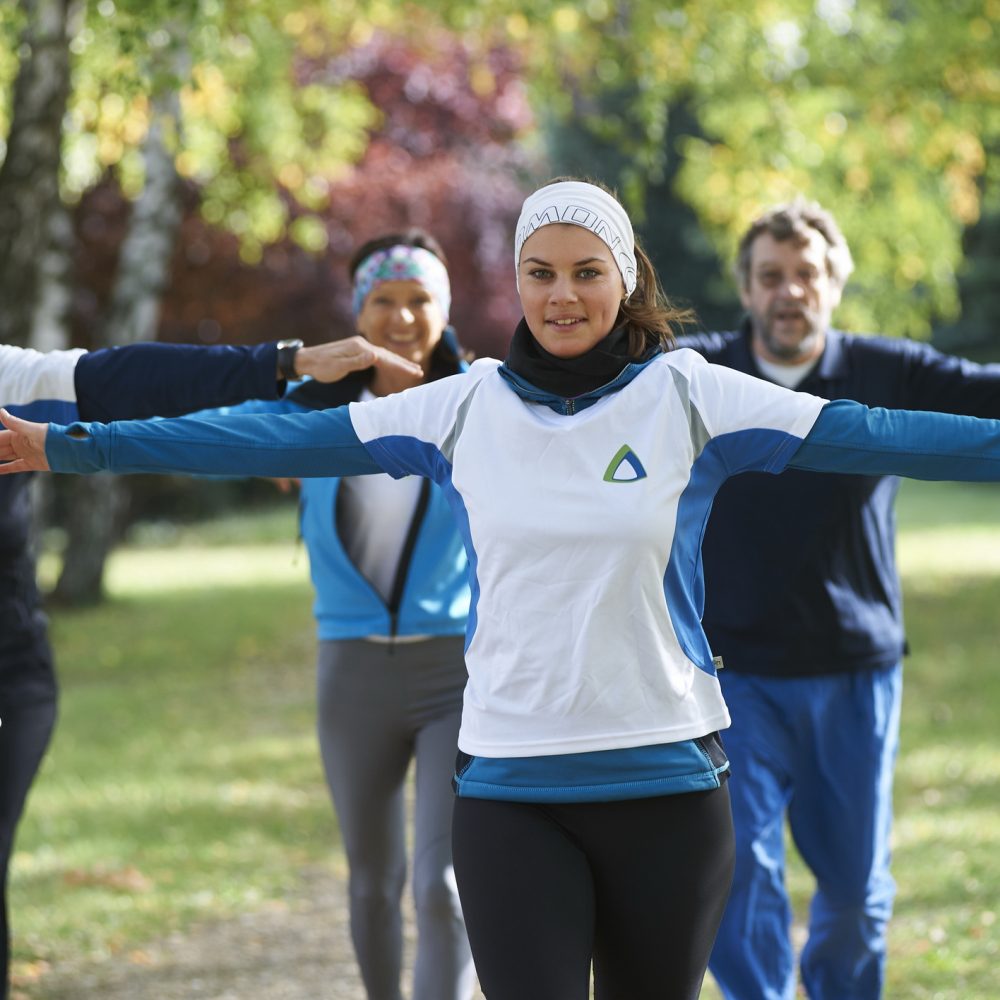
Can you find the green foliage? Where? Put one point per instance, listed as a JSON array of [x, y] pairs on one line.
[[882, 111], [876, 122], [887, 112], [11, 24], [256, 138]]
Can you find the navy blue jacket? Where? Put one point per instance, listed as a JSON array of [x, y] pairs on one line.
[[800, 569], [142, 380]]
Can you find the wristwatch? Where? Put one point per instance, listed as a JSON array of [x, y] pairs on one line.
[[287, 349]]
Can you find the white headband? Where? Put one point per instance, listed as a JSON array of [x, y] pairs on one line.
[[585, 205]]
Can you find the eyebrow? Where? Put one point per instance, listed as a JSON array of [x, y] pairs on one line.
[[579, 263], [774, 266]]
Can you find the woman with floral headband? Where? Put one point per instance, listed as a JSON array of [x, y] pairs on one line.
[[392, 598], [592, 825]]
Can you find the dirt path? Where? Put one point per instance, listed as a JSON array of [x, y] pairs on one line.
[[299, 950]]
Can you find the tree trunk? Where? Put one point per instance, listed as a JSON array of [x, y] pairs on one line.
[[97, 508], [99, 504], [144, 267], [50, 332], [54, 295], [29, 176]]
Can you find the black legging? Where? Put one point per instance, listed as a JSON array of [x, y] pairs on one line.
[[24, 735], [637, 886]]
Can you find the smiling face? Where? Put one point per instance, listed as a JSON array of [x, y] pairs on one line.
[[403, 317], [790, 297], [571, 288]]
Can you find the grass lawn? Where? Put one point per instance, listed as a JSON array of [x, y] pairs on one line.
[[184, 781]]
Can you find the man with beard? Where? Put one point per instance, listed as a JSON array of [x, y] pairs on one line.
[[802, 603]]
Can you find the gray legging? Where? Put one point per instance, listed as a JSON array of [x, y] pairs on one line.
[[380, 706]]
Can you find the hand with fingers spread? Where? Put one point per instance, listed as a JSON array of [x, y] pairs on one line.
[[22, 445], [330, 362]]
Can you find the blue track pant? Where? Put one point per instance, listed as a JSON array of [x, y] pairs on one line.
[[821, 751]]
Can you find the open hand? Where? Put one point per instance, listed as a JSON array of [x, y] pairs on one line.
[[330, 362], [22, 445]]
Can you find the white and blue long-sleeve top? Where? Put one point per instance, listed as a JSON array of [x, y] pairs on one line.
[[583, 531]]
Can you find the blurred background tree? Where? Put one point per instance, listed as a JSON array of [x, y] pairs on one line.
[[886, 112], [293, 130]]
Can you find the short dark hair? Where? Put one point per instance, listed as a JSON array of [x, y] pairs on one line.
[[792, 220], [412, 237]]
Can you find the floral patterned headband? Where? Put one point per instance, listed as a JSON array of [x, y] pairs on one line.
[[402, 263]]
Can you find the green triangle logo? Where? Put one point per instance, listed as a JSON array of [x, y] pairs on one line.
[[625, 467]]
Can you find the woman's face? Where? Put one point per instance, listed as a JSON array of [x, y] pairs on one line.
[[571, 288], [403, 317]]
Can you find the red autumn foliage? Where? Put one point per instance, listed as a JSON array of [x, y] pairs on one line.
[[444, 157]]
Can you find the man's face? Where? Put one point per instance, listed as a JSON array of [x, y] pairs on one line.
[[790, 297]]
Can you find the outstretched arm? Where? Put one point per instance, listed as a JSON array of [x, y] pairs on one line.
[[317, 443], [165, 380], [849, 437]]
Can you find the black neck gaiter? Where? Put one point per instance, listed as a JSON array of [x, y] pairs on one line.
[[569, 377]]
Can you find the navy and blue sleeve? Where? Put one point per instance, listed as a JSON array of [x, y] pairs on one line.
[[314, 443], [165, 380], [849, 437]]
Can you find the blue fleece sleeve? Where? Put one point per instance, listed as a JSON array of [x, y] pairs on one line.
[[850, 437], [316, 443], [165, 380]]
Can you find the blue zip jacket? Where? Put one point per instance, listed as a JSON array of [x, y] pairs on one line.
[[800, 569], [431, 595]]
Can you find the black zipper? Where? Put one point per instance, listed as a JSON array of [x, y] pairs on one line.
[[403, 568]]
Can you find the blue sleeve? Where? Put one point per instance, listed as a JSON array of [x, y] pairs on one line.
[[850, 437], [164, 380], [316, 443]]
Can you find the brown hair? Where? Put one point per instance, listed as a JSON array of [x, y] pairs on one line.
[[792, 220], [648, 314]]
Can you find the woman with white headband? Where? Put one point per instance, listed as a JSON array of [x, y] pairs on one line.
[[592, 824]]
